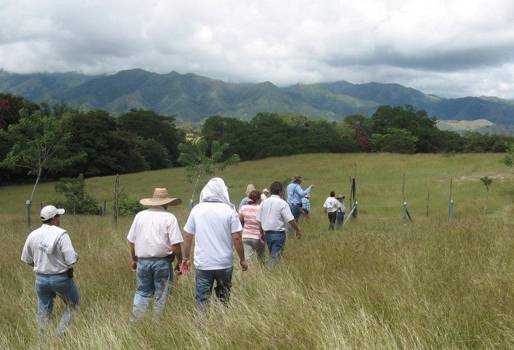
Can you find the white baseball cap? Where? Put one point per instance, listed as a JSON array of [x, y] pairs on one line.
[[49, 212]]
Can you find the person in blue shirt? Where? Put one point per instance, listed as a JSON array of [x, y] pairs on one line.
[[295, 193]]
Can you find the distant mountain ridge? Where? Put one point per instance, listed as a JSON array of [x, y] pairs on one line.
[[193, 97]]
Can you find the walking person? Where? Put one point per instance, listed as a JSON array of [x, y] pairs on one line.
[[244, 201], [295, 193], [274, 215], [253, 236], [155, 240], [341, 211], [50, 252], [330, 207], [306, 206], [214, 225]]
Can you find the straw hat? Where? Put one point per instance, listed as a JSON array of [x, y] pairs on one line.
[[249, 189], [160, 197]]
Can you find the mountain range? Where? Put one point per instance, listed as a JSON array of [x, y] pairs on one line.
[[192, 97]]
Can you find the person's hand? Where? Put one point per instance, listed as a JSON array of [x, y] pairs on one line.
[[133, 265], [185, 266], [177, 268], [244, 265]]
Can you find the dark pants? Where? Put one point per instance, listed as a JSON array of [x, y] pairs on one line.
[[276, 241], [204, 283], [332, 220]]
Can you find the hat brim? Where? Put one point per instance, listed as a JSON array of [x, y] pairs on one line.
[[61, 211], [154, 202]]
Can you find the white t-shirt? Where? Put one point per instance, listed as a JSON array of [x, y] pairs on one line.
[[49, 248], [153, 232], [213, 224], [332, 204], [275, 214]]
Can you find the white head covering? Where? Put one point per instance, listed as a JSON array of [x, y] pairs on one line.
[[215, 191]]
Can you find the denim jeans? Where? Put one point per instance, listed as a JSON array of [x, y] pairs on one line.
[[340, 218], [153, 278], [296, 210], [204, 283], [276, 241], [47, 288]]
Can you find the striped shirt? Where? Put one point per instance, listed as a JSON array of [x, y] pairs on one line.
[[248, 213]]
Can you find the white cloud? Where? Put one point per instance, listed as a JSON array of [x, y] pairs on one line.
[[447, 47]]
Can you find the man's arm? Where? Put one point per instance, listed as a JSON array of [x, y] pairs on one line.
[[238, 244], [303, 192], [188, 241], [177, 251], [133, 260], [296, 228], [68, 252]]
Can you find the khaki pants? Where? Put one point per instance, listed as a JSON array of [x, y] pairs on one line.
[[253, 248]]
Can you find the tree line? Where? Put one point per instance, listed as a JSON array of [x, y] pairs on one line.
[[64, 142]]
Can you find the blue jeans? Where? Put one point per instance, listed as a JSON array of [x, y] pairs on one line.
[[340, 218], [276, 241], [204, 283], [47, 288], [153, 278], [296, 211]]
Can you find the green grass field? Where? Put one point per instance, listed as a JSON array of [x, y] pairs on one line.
[[378, 283]]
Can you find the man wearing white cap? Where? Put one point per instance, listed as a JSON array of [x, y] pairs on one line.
[[215, 226], [49, 250], [155, 240]]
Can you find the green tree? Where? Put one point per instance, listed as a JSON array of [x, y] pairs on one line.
[[509, 157], [38, 145], [76, 200], [152, 126], [201, 160], [394, 140]]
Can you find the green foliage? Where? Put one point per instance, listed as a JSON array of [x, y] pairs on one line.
[[487, 181], [129, 206], [148, 125], [76, 200], [156, 156], [394, 140], [508, 160], [201, 161]]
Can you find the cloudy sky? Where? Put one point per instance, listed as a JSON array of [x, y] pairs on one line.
[[447, 47]]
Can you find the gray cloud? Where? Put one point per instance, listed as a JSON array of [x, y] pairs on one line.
[[446, 47]]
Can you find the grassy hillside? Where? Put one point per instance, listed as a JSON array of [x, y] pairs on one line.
[[379, 283]]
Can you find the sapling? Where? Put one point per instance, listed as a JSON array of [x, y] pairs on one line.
[[201, 161], [487, 181]]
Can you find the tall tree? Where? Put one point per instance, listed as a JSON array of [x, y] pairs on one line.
[[38, 145]]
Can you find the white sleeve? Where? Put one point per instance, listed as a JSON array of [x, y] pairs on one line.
[[287, 215], [26, 253], [235, 223], [174, 231], [326, 204], [69, 254], [131, 237], [190, 223]]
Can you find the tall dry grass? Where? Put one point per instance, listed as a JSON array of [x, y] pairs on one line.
[[378, 283]]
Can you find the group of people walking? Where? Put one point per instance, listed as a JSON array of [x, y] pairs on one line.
[[155, 241]]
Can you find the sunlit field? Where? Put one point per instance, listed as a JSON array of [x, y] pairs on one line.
[[377, 283]]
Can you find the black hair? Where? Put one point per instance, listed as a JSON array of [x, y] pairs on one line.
[[276, 188], [332, 194]]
